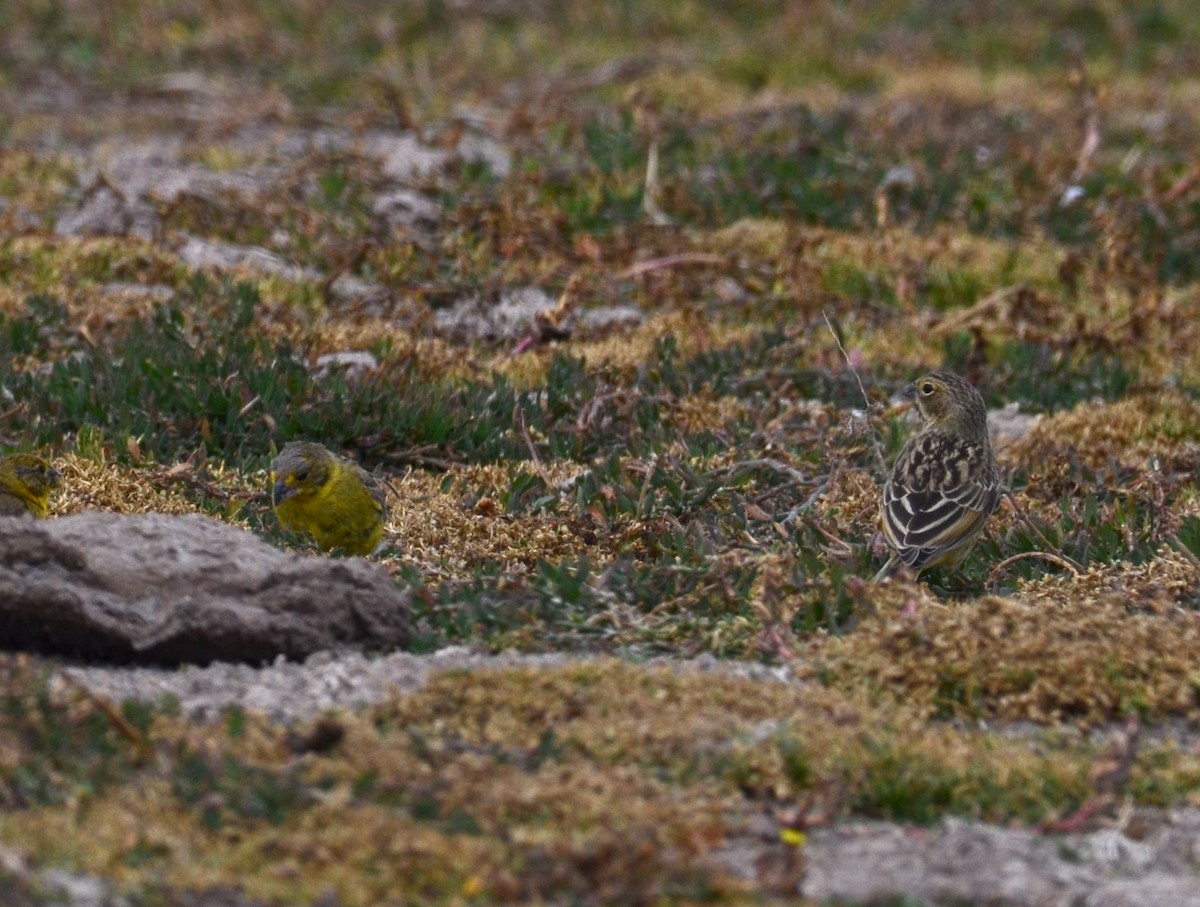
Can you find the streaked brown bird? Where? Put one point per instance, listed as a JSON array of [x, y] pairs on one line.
[[944, 483]]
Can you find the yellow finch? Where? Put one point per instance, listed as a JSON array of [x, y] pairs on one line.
[[335, 501], [25, 485], [945, 483]]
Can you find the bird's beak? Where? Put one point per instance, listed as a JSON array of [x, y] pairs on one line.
[[282, 492], [909, 393]]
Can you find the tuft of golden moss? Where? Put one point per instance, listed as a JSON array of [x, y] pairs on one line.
[[1113, 642], [1160, 428]]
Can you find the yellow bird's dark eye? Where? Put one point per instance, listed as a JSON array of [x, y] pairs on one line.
[[927, 388], [301, 474]]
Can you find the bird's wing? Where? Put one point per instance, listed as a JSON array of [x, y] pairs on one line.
[[374, 489], [940, 492]]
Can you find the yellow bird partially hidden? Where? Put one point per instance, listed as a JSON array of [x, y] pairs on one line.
[[25, 485], [335, 501]]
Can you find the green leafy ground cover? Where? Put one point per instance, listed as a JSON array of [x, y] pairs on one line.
[[850, 193]]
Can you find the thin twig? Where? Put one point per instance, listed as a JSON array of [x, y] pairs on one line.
[[174, 476], [113, 714], [1077, 567], [621, 69], [1175, 542], [391, 482], [1182, 186], [866, 400], [1091, 128], [768, 463], [986, 309], [1061, 561], [671, 261], [537, 461], [833, 539], [778, 489], [650, 207], [809, 502], [417, 455]]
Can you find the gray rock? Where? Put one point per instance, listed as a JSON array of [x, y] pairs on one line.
[[104, 211], [291, 691], [22, 885], [1009, 424], [510, 317], [155, 292], [485, 150], [197, 252], [970, 862], [223, 256], [406, 208], [402, 155], [354, 364], [153, 169], [348, 288], [603, 319], [163, 589], [77, 889]]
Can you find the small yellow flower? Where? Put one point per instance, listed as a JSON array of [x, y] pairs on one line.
[[793, 837], [472, 887]]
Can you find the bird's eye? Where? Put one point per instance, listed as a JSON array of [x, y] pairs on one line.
[[927, 388], [302, 474]]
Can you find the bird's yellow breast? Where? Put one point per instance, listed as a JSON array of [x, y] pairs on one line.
[[340, 513]]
